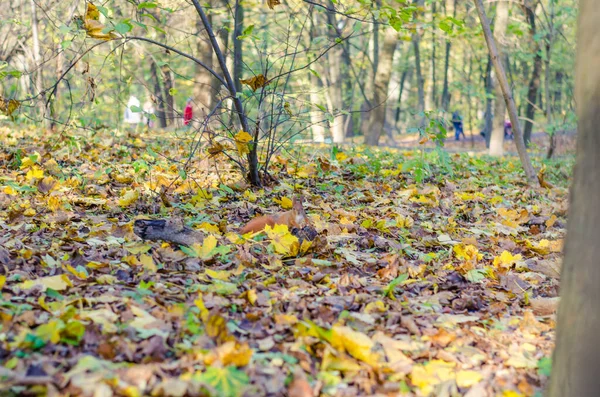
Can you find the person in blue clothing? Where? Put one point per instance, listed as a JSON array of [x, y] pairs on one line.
[[458, 125]]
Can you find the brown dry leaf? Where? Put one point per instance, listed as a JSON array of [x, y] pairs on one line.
[[8, 106], [255, 82], [300, 387], [273, 3], [93, 26]]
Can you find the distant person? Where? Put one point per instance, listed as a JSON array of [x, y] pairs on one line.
[[508, 129], [132, 111], [458, 126], [188, 112], [148, 112]]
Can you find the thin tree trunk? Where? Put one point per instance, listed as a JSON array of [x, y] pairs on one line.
[[534, 81], [433, 47], [334, 86], [558, 92], [419, 74], [510, 103], [39, 84], [577, 354], [205, 86], [445, 91], [497, 136], [237, 45], [168, 84], [405, 74], [382, 81], [488, 115], [158, 94]]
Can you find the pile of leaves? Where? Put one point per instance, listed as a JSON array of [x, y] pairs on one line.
[[430, 275]]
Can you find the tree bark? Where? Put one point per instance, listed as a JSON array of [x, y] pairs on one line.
[[158, 94], [205, 86], [419, 74], [488, 115], [383, 73], [39, 84], [334, 82], [534, 81], [433, 52], [169, 108], [497, 136], [508, 98], [445, 91], [577, 354], [237, 45]]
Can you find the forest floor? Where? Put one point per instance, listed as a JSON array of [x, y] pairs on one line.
[[431, 275]]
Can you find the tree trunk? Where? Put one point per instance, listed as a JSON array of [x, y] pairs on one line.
[[405, 74], [488, 115], [433, 47], [383, 73], [334, 82], [205, 86], [497, 136], [237, 45], [39, 84], [557, 105], [510, 103], [534, 81], [158, 94], [419, 74], [445, 91], [169, 108], [577, 354]]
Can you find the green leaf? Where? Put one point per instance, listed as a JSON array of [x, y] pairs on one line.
[[544, 366], [389, 289], [228, 381], [123, 27], [147, 4]]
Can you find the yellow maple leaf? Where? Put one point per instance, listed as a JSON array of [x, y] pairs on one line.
[[59, 283], [10, 191], [467, 252], [357, 344], [242, 140], [34, 172], [506, 260], [128, 198], [428, 375], [286, 203], [148, 263], [2, 281], [465, 378], [206, 250], [281, 239]]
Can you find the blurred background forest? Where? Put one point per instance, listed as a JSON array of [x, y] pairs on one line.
[[325, 71]]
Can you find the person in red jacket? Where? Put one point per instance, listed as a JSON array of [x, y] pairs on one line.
[[188, 112]]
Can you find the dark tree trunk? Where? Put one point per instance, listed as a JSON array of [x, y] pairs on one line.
[[405, 75], [433, 47], [158, 94], [169, 105], [577, 354], [237, 45], [488, 116]]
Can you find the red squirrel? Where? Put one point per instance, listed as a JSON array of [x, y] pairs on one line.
[[296, 217]]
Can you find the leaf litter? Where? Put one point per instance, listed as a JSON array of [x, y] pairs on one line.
[[421, 284]]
